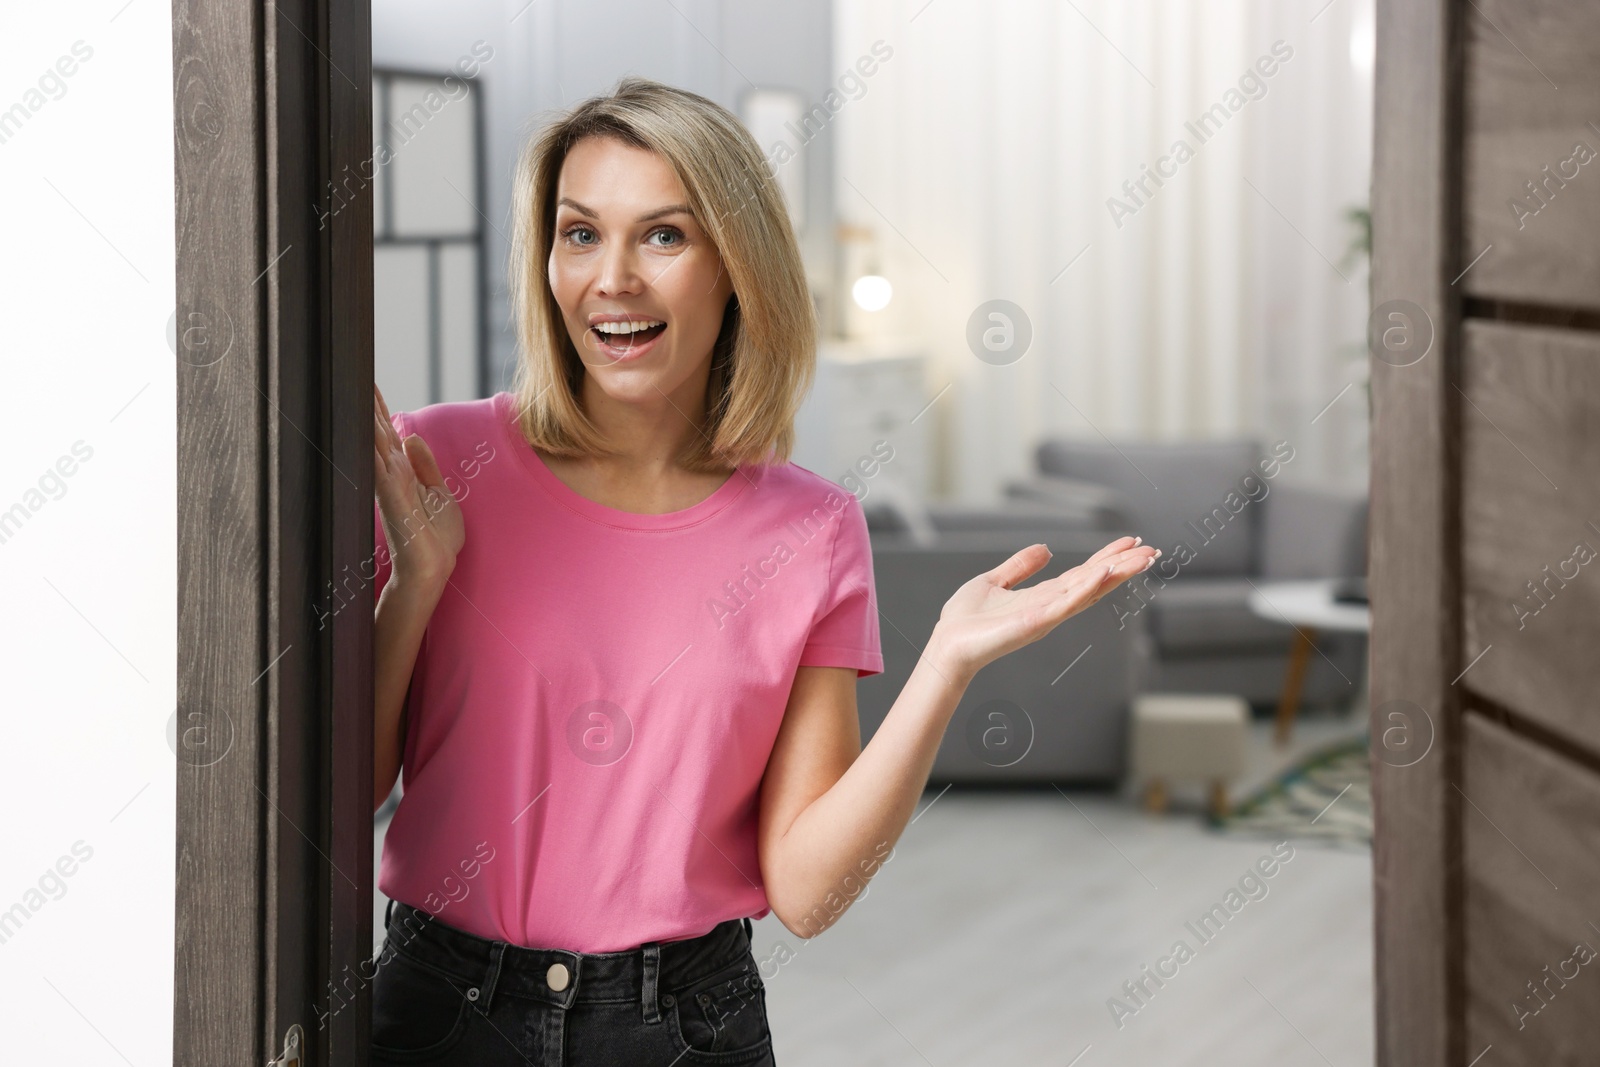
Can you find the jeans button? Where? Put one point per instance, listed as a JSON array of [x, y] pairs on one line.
[[557, 976], [472, 994]]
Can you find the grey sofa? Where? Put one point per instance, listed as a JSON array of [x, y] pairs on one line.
[[1055, 710], [1204, 638]]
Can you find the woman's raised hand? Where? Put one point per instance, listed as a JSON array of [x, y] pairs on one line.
[[988, 617], [421, 518]]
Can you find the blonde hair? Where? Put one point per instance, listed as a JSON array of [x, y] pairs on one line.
[[764, 358]]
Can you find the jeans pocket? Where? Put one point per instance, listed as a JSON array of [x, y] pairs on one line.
[[417, 1012], [721, 1018]]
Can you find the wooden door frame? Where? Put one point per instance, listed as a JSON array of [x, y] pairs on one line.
[[1415, 569], [272, 112]]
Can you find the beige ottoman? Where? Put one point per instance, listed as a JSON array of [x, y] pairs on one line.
[[1188, 737]]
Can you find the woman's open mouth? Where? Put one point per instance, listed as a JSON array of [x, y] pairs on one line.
[[627, 340]]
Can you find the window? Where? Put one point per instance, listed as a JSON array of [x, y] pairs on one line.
[[429, 319]]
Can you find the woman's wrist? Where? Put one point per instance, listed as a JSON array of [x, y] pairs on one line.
[[418, 587], [941, 655]]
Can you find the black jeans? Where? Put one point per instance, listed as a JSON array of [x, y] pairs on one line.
[[444, 996]]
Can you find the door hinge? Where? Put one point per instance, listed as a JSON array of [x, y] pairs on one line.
[[292, 1054]]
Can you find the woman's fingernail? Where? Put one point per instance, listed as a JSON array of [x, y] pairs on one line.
[[1157, 555], [1137, 541], [1148, 564]]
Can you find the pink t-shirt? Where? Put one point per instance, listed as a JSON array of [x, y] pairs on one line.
[[598, 691]]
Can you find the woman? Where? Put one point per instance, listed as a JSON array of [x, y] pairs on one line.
[[625, 703]]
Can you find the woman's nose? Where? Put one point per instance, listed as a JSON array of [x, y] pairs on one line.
[[619, 272]]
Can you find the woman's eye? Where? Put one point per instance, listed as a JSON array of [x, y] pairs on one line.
[[584, 237]]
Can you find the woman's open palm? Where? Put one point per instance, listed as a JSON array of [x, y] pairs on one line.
[[988, 617], [421, 519]]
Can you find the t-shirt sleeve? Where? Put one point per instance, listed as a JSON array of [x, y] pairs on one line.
[[845, 633], [380, 545]]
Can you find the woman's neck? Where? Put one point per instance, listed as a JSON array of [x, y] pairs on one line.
[[652, 434], [643, 473]]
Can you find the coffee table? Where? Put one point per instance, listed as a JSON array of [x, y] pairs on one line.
[[1308, 607]]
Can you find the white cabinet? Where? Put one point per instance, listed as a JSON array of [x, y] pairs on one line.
[[861, 410]]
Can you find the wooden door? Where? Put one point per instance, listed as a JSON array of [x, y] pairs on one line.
[[273, 338], [1486, 532]]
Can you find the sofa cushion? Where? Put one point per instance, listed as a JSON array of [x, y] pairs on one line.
[[1085, 503], [1193, 492], [1192, 614]]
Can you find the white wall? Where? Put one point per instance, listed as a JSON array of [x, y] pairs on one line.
[[984, 158], [88, 577]]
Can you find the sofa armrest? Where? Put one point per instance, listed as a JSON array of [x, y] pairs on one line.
[[1076, 719], [1314, 533], [1085, 503]]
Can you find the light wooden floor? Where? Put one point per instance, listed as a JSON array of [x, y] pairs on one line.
[[1006, 921]]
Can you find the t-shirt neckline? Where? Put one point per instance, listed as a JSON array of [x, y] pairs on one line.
[[730, 490]]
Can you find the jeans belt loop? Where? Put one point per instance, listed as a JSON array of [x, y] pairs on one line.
[[486, 991], [652, 978]]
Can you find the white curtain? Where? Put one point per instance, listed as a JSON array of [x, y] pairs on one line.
[[983, 154]]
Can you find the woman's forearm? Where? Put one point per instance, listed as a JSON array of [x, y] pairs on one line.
[[399, 621], [834, 845]]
